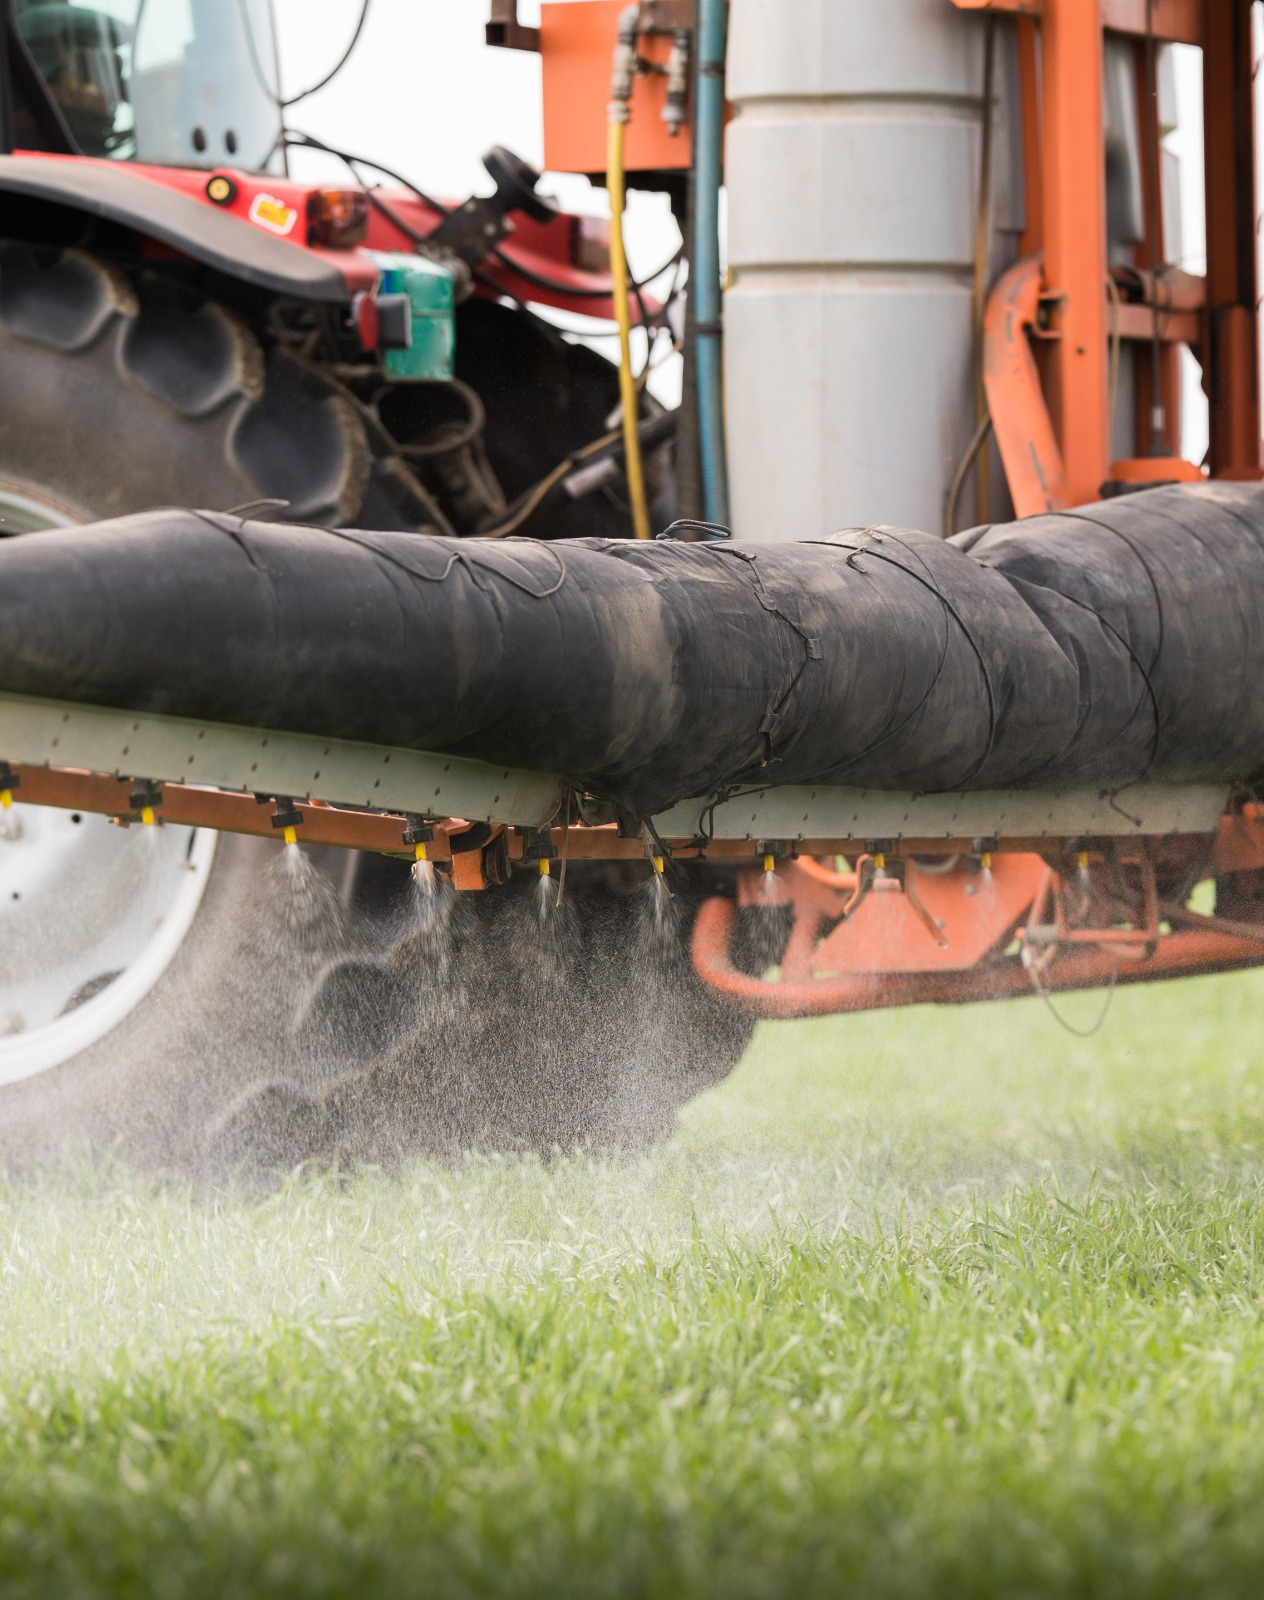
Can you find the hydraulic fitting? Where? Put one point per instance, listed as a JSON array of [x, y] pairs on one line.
[[675, 108], [625, 64]]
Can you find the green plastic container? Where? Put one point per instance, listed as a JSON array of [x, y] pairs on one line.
[[431, 358]]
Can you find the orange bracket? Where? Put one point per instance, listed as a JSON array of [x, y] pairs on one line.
[[1029, 448]]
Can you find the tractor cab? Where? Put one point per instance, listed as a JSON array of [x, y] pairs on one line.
[[188, 83]]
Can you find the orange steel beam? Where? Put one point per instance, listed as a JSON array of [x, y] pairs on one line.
[[1173, 21], [1229, 139], [1175, 327], [1240, 846], [1074, 160], [213, 808]]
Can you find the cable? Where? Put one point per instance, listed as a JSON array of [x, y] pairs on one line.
[[535, 497], [633, 464], [342, 61], [298, 139], [977, 440], [578, 292]]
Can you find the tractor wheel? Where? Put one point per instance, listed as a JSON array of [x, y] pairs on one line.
[[160, 988], [502, 1020], [119, 396]]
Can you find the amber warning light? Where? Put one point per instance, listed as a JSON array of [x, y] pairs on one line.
[[337, 219]]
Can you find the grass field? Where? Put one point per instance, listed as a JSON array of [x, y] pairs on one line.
[[925, 1303]]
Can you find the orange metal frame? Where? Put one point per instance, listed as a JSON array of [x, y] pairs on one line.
[[1051, 320], [947, 929]]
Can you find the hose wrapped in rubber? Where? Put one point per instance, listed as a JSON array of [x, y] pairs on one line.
[[1100, 646]]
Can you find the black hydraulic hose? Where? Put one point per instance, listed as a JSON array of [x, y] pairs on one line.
[[329, 77], [1090, 650]]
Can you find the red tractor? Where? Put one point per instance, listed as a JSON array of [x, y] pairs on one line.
[[182, 323]]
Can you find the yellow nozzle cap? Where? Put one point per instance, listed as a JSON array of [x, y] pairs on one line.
[[419, 852], [1081, 860], [544, 866], [770, 863], [6, 799], [658, 865], [147, 816], [880, 860], [291, 836], [986, 859]]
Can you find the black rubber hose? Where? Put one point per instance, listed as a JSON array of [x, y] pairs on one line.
[[1101, 646]]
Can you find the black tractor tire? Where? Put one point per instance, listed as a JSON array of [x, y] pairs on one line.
[[501, 1020], [277, 1033]]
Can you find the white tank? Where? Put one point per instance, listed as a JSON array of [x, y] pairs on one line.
[[853, 176]]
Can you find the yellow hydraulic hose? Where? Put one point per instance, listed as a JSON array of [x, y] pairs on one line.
[[623, 316]]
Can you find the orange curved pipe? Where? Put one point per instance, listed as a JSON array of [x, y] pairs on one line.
[[1081, 967], [810, 867], [1030, 453]]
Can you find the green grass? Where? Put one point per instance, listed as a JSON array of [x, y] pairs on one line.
[[934, 1302]]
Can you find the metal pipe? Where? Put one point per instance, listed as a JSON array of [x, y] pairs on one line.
[[709, 170]]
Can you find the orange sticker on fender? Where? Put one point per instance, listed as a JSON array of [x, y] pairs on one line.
[[272, 214]]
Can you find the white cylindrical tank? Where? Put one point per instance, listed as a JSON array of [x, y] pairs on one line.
[[853, 178]]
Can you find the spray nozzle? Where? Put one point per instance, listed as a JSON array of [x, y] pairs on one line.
[[9, 781], [287, 818], [879, 849], [418, 833], [675, 107], [145, 798]]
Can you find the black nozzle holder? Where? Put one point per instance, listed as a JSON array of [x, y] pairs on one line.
[[145, 796], [774, 847], [285, 815], [538, 845], [418, 831], [8, 778], [984, 847]]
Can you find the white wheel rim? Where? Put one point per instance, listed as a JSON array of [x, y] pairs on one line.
[[165, 894], [82, 902]]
